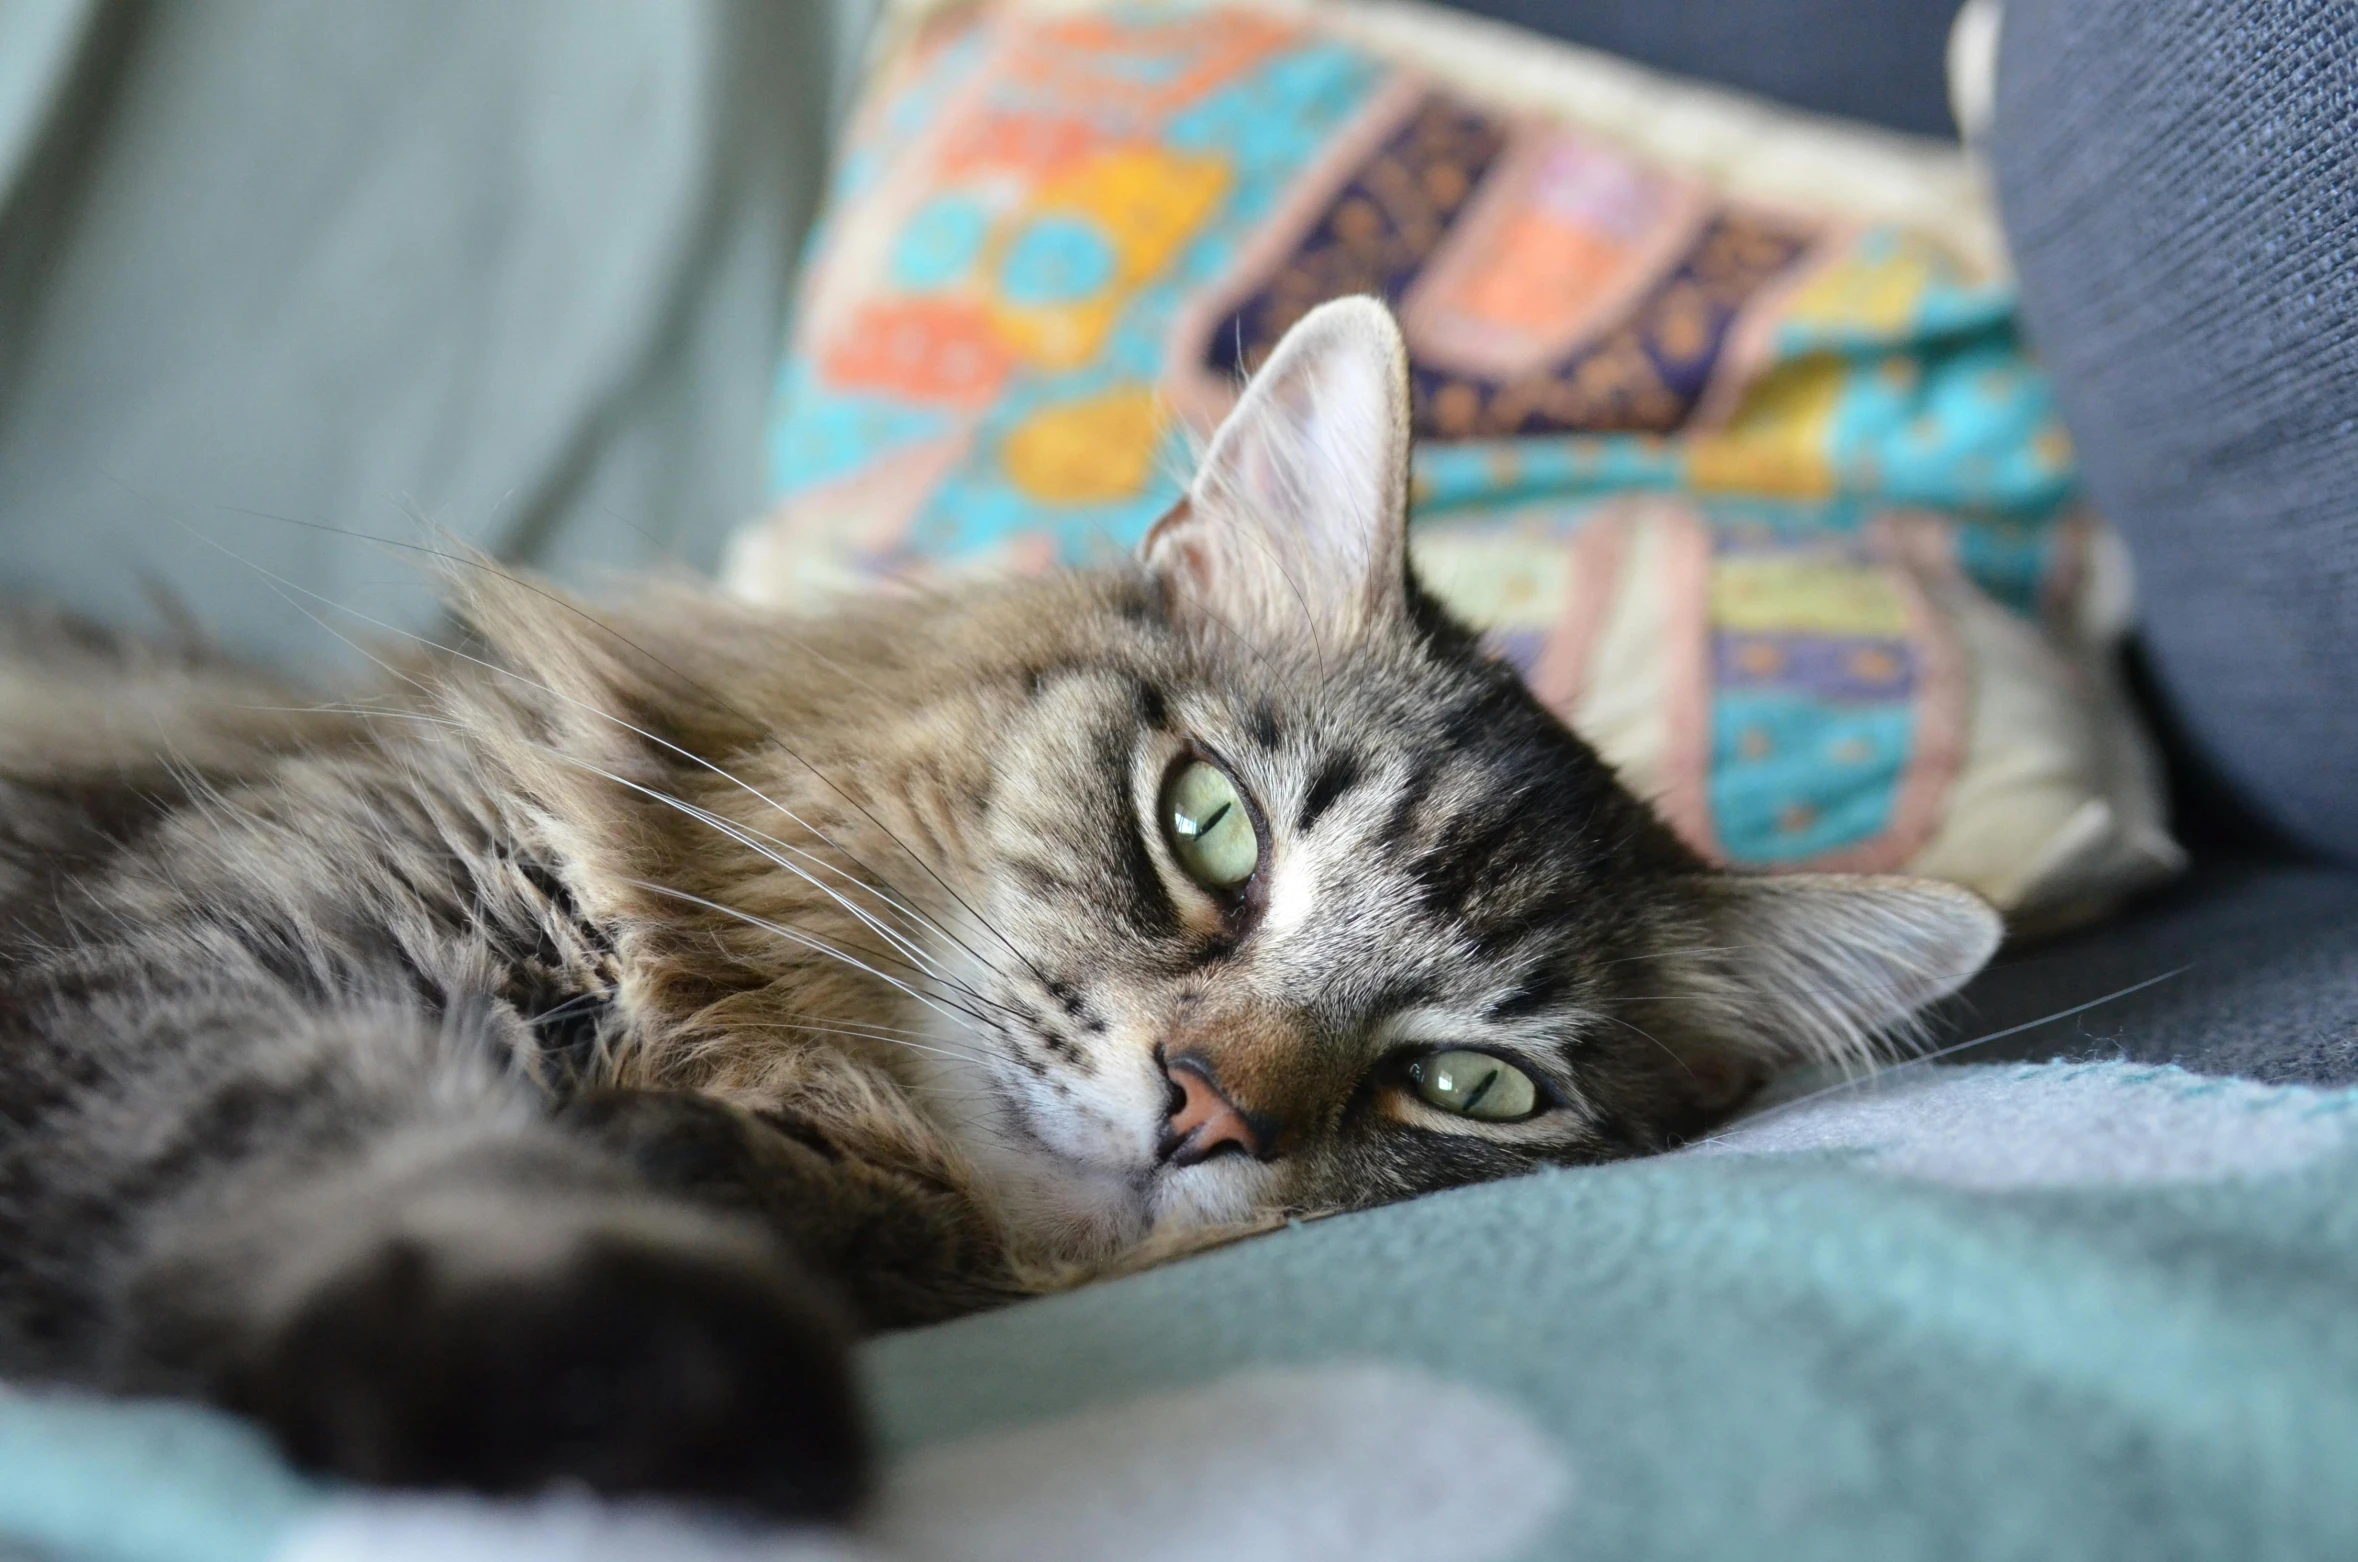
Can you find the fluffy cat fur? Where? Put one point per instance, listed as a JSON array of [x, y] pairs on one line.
[[541, 1065]]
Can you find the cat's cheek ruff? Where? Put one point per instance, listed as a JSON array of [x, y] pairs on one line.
[[1065, 1156], [1052, 1205]]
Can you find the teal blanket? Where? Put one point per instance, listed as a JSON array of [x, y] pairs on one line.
[[1998, 1312]]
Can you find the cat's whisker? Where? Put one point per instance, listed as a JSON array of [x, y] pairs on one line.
[[1665, 1048], [866, 1026], [858, 1035], [1677, 952], [657, 796], [931, 922], [857, 1030], [768, 846], [704, 816], [916, 960], [753, 841], [783, 747], [742, 835], [282, 585], [912, 955], [808, 941], [1925, 1058], [1788, 989], [920, 919]]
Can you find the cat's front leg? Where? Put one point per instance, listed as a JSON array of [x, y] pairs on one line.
[[505, 1314], [899, 1240]]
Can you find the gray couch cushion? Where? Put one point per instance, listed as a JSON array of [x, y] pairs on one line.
[[2176, 182], [2268, 989], [1876, 60]]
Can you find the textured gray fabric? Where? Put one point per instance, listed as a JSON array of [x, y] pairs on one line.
[[1879, 60], [39, 42], [2268, 989], [2177, 179], [518, 269]]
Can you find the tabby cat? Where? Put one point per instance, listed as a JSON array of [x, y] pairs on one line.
[[541, 1067]]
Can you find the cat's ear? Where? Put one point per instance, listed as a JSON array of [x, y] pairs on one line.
[[1297, 522], [1821, 967]]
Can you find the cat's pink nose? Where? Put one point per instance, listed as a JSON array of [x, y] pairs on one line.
[[1203, 1121]]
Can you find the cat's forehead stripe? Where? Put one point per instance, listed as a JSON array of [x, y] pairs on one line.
[[1424, 770], [1336, 774], [1261, 724]]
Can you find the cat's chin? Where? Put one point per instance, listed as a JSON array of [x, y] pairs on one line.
[[1057, 1208], [1069, 1184], [1064, 1185], [1065, 1211], [1063, 1208]]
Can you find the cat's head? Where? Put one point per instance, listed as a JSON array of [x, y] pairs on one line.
[[1235, 882], [1307, 903]]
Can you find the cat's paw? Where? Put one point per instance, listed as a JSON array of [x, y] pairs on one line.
[[630, 1360]]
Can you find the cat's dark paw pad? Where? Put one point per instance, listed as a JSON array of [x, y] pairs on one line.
[[699, 1369]]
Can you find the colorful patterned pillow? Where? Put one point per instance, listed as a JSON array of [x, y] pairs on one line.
[[1726, 436]]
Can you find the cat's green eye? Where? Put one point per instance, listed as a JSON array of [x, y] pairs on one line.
[[1474, 1084], [1209, 826]]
